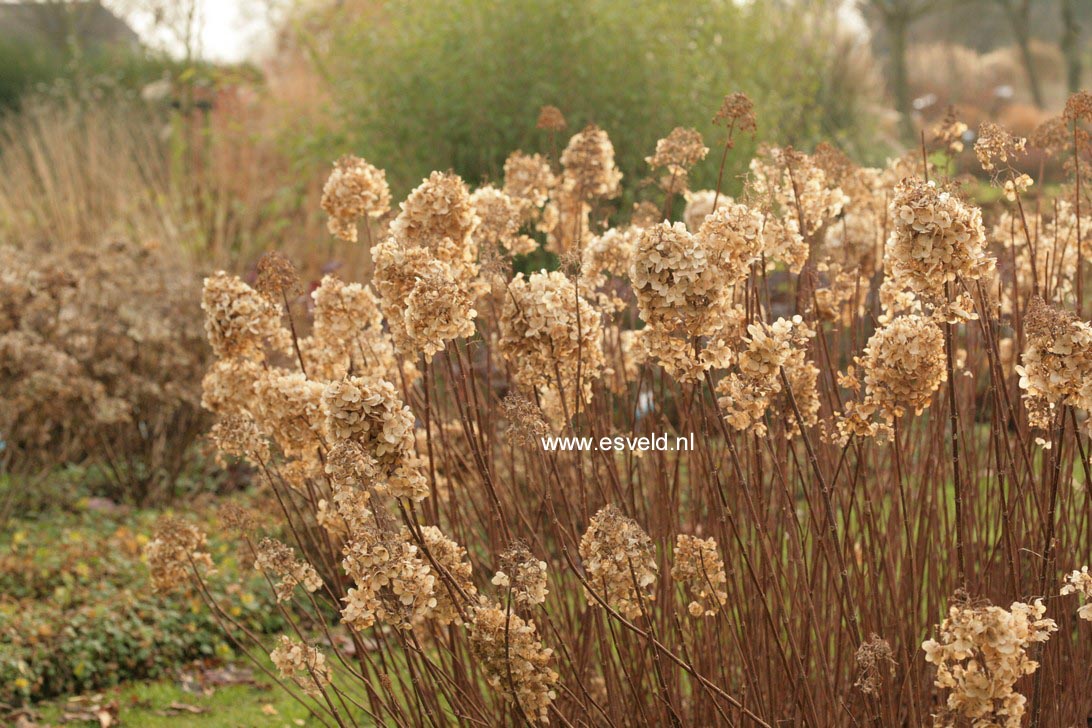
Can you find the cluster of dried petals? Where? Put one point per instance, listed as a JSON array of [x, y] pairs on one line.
[[700, 569], [302, 664], [996, 146], [619, 562], [750, 388], [936, 238], [795, 187], [238, 320], [425, 300], [1080, 582], [1056, 366], [737, 112], [526, 424], [732, 237], [279, 560], [566, 220], [528, 179], [439, 216], [523, 575], [238, 435], [875, 664], [369, 412], [676, 154], [176, 553], [276, 278], [500, 218], [903, 365], [347, 333], [699, 204], [228, 386], [550, 118], [611, 252], [676, 283], [548, 331], [454, 587], [287, 406], [354, 190], [980, 652], [513, 660], [394, 583], [588, 164]]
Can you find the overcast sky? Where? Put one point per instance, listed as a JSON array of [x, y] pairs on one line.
[[229, 30]]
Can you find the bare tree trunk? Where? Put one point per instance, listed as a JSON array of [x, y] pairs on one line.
[[898, 25], [1071, 32], [1017, 12]]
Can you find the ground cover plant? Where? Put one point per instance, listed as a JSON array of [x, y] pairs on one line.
[[884, 518]]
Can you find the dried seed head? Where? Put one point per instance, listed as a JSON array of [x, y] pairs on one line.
[[354, 190], [550, 118]]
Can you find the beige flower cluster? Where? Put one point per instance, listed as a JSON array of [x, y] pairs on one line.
[[425, 271], [1080, 582], [588, 165], [746, 392], [522, 574], [369, 412], [1056, 366], [239, 321], [347, 334], [980, 653], [302, 664], [454, 585], [514, 660], [529, 180], [700, 569], [354, 190], [619, 562], [699, 204], [676, 154], [500, 218], [903, 365], [394, 583], [551, 336], [936, 239], [279, 560], [175, 554]]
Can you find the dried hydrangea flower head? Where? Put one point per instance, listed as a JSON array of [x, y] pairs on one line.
[[1080, 582], [1078, 107], [455, 587], [394, 583], [175, 553], [551, 118], [747, 392], [523, 575], [500, 217], [279, 560], [995, 146], [676, 154], [619, 562], [981, 651], [950, 132], [700, 569], [426, 301], [348, 335], [875, 664], [548, 331], [1056, 364], [439, 216], [903, 365], [287, 406], [513, 659], [239, 320], [354, 190], [238, 435], [526, 424], [676, 283], [588, 164], [737, 112], [277, 278], [732, 237], [528, 179], [369, 412], [302, 664], [611, 253], [699, 204], [936, 237], [798, 193]]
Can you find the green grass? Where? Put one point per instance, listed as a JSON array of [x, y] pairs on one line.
[[147, 704]]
